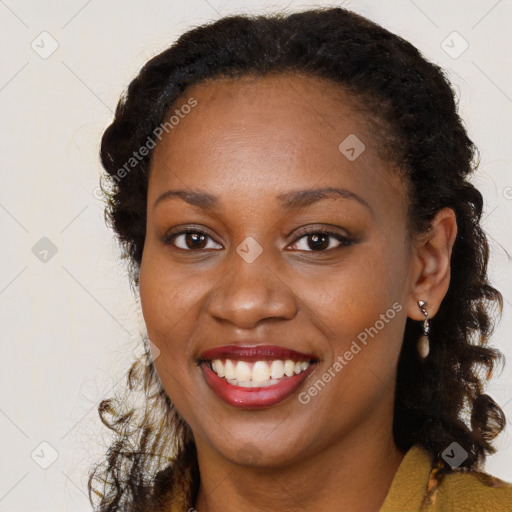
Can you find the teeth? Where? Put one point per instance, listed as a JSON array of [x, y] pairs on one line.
[[258, 373], [218, 367], [254, 384], [288, 367], [229, 370], [242, 372], [277, 369]]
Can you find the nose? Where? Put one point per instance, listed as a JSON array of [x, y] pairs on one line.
[[250, 293]]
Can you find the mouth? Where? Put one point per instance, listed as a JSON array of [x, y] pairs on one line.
[[255, 377]]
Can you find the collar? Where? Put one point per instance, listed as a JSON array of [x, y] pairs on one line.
[[414, 478]]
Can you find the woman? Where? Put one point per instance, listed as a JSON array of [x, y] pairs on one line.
[[291, 193]]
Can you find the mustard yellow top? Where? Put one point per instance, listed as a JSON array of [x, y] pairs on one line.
[[418, 486]]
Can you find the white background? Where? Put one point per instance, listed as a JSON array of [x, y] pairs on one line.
[[70, 325]]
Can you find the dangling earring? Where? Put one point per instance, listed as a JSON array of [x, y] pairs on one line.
[[423, 341]]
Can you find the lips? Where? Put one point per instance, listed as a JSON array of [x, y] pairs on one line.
[[255, 376], [257, 353]]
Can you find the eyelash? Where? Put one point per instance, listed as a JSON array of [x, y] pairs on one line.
[[344, 241]]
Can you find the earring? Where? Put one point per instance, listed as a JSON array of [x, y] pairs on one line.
[[423, 341]]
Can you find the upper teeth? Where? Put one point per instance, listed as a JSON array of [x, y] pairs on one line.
[[258, 373]]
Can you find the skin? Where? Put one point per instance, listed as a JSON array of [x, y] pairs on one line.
[[247, 141]]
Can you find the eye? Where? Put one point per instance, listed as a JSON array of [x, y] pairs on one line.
[[321, 240], [189, 240]]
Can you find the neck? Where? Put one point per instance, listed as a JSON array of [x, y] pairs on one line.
[[353, 476]]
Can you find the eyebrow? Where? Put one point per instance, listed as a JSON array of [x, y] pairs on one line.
[[292, 200]]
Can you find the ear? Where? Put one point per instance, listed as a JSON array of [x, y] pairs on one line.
[[430, 264]]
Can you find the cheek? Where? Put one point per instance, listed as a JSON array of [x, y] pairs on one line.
[[167, 301], [360, 311], [167, 296], [362, 301]]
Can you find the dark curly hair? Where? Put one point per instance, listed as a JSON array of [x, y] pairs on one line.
[[412, 110]]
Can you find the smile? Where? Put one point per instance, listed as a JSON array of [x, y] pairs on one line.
[[259, 373], [255, 377]]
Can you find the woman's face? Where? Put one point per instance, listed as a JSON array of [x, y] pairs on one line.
[[256, 271]]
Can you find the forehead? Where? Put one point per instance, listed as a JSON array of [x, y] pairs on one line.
[[276, 132], [287, 109]]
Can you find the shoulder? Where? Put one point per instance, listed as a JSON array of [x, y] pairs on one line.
[[423, 484], [468, 491]]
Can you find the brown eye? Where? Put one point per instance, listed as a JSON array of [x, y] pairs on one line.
[[189, 240], [321, 241]]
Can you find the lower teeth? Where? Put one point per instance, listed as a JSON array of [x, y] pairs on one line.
[[251, 384]]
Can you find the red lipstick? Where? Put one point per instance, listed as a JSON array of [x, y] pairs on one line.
[[255, 353], [259, 395]]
